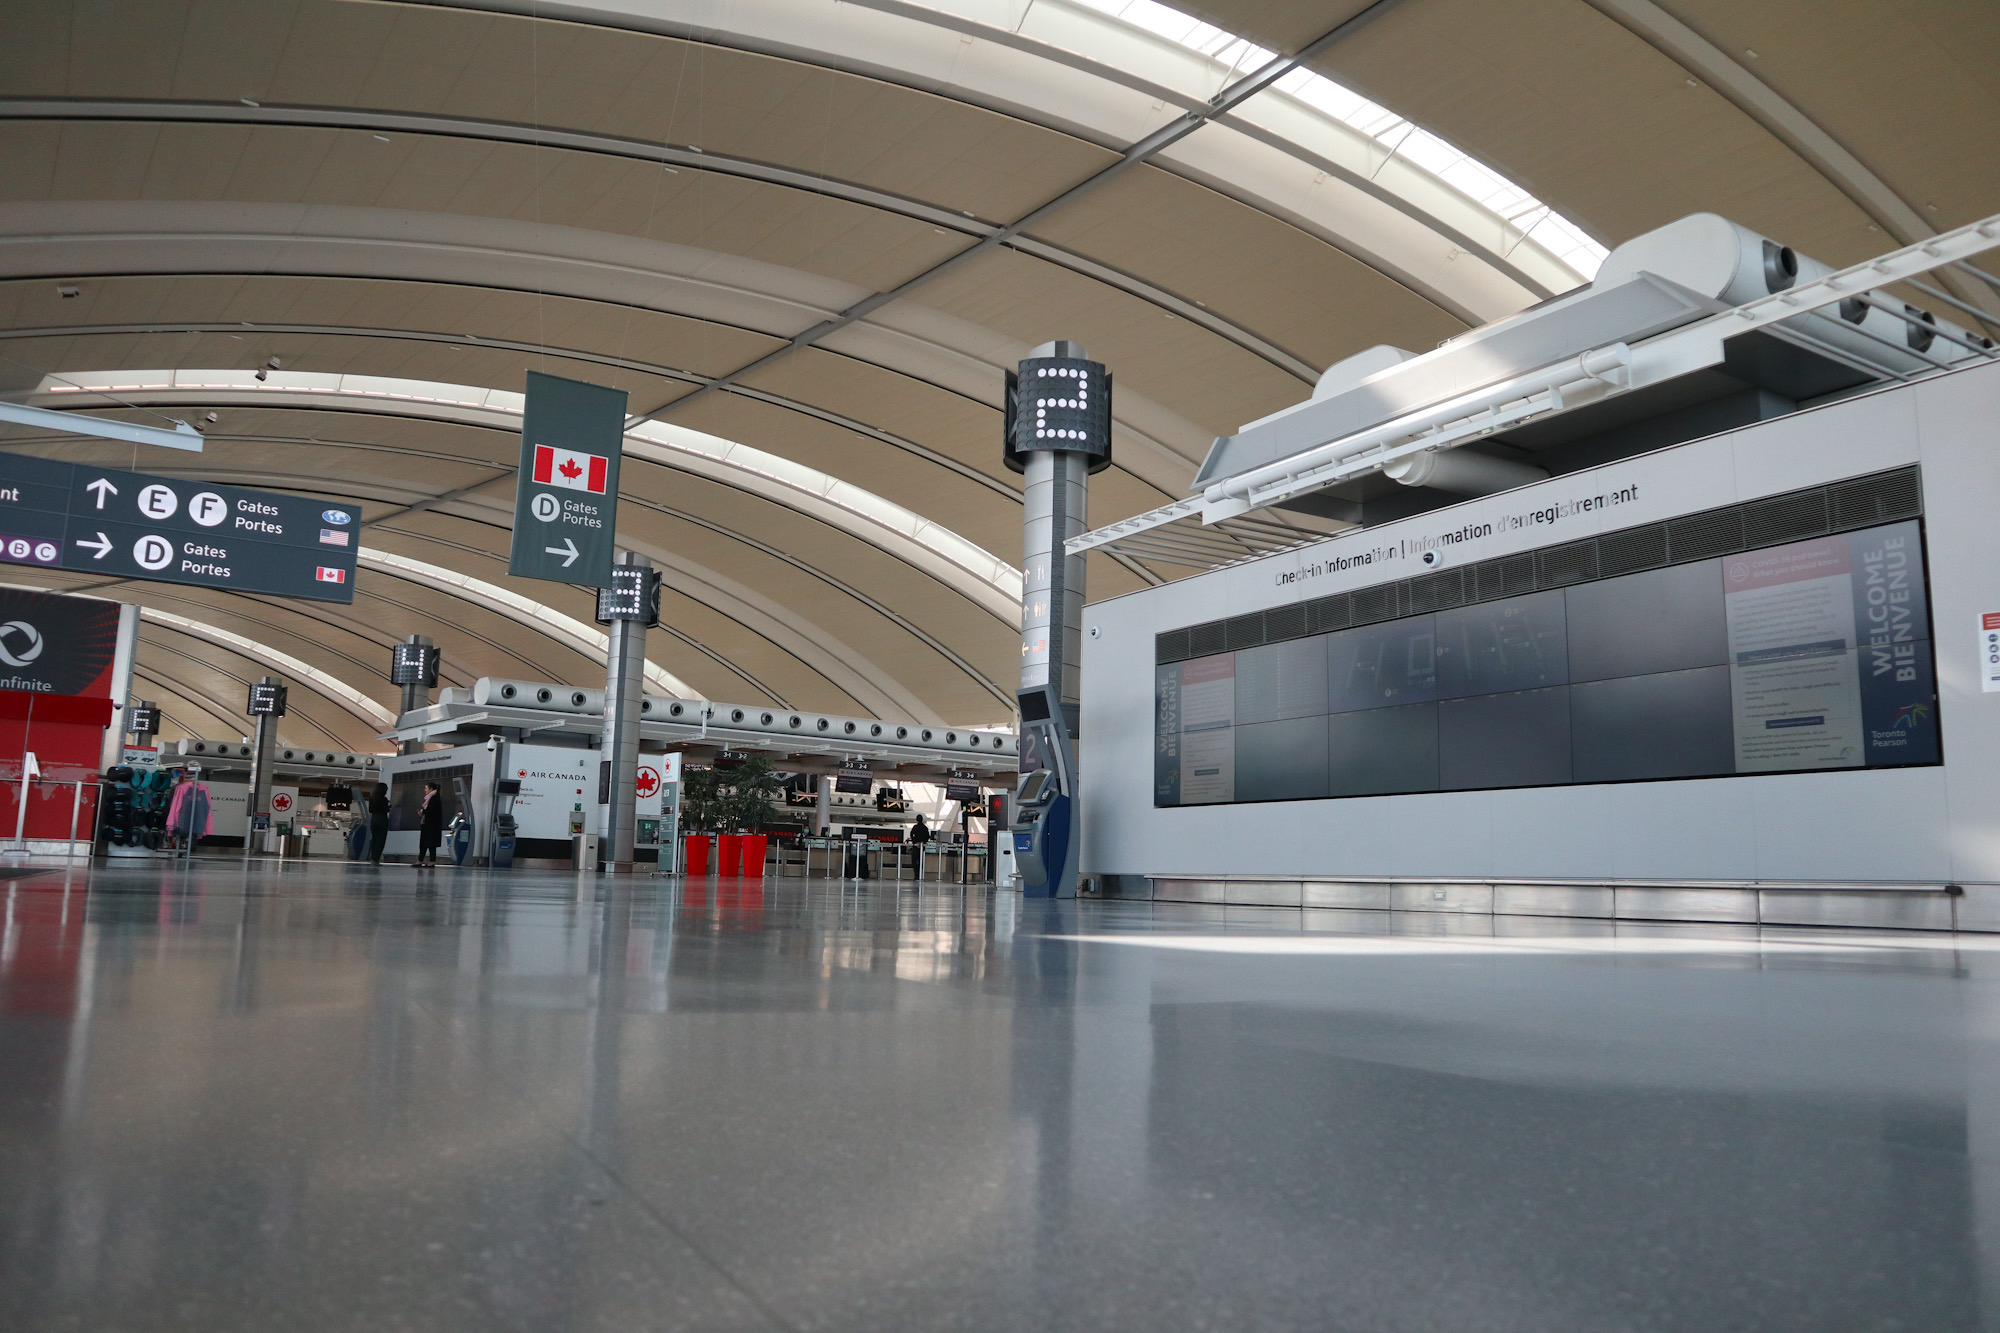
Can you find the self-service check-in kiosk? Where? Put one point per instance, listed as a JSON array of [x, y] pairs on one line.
[[1044, 832], [505, 792]]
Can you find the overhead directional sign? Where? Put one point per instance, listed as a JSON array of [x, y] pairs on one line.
[[134, 526], [566, 494]]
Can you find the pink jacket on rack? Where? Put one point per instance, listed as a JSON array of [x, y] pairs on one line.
[[203, 813]]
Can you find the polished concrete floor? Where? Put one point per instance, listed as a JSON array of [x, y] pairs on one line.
[[330, 1098]]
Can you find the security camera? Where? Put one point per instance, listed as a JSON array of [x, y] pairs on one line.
[[1433, 558], [274, 363], [212, 418]]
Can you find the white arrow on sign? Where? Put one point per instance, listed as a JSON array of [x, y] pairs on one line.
[[103, 487], [102, 545], [569, 556]]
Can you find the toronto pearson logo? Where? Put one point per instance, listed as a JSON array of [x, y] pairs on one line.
[[1909, 715]]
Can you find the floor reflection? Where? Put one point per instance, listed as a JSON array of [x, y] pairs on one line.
[[323, 1097]]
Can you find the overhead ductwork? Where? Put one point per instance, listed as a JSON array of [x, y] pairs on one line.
[[1461, 472]]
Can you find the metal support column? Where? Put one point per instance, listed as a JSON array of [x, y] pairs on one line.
[[124, 653], [261, 757], [624, 686], [1058, 433]]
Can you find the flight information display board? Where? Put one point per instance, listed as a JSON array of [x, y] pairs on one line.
[[1795, 658], [162, 529]]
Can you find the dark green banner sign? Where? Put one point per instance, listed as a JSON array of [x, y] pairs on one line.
[[130, 525], [566, 496]]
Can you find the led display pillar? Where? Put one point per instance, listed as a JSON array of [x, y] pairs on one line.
[[413, 664], [1058, 433], [628, 608], [266, 704]]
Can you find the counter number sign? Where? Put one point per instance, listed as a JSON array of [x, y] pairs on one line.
[[566, 489]]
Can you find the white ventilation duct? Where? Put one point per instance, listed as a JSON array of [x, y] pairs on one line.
[[1462, 473]]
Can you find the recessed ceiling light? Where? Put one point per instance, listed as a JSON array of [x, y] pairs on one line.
[[248, 102], [383, 137]]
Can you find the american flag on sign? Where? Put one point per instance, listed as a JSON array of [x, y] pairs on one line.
[[330, 574], [566, 467]]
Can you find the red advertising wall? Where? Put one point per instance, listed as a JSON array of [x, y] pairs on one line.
[[55, 700]]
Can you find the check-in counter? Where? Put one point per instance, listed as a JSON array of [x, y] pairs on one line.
[[823, 857]]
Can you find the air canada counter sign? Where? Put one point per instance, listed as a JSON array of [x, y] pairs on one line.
[[566, 493]]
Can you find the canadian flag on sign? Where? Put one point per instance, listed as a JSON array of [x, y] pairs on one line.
[[579, 472]]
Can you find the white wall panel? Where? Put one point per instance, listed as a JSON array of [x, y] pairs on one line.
[[1908, 826]]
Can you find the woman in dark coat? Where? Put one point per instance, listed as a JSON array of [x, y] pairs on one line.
[[430, 826], [378, 822]]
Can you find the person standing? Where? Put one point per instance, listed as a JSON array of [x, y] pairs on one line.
[[430, 827], [378, 823]]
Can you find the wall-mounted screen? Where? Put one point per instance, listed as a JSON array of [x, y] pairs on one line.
[[1795, 658]]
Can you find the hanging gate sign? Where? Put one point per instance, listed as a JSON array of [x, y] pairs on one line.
[[566, 489]]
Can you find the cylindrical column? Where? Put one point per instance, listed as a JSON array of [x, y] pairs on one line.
[[624, 688], [1054, 500], [1058, 429], [823, 809], [416, 694]]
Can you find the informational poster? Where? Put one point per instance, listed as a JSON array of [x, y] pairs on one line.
[[1208, 743], [553, 782], [1814, 655], [1793, 681]]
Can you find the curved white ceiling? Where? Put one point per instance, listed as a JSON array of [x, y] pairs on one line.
[[1305, 149], [64, 239], [299, 671]]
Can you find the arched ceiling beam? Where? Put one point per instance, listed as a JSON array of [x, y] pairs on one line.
[[1763, 104], [1789, 124], [175, 238], [995, 484], [999, 487], [213, 707], [959, 563], [58, 109], [1134, 155], [689, 640], [862, 679], [847, 670], [160, 645], [1100, 88], [323, 683], [566, 630]]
